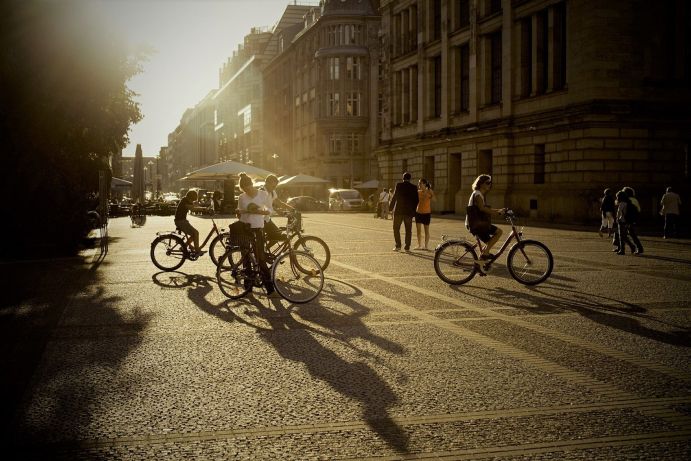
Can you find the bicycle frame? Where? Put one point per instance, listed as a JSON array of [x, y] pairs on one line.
[[515, 234], [215, 230]]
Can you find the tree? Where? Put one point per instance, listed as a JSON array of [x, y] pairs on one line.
[[64, 109]]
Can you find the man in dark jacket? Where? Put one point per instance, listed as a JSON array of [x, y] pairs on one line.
[[403, 205]]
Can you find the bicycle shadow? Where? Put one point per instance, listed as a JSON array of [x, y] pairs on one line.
[[307, 323], [609, 312]]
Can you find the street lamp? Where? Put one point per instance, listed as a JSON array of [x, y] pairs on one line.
[[275, 157]]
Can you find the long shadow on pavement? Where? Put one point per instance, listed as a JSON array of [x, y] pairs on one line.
[[356, 380], [610, 312]]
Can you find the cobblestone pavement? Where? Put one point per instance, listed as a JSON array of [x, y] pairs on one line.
[[114, 359]]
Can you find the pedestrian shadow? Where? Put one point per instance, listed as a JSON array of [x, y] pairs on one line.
[[610, 312], [273, 317]]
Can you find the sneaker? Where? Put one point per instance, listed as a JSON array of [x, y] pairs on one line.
[[396, 248], [407, 249], [419, 248], [599, 232]]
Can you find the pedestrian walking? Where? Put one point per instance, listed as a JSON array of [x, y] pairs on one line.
[[403, 204], [622, 230], [423, 213], [383, 204], [608, 211], [670, 210], [633, 212]]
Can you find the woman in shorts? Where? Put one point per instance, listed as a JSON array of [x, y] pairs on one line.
[[423, 213]]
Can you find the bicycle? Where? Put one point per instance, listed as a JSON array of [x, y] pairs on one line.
[[529, 262], [296, 275], [170, 249], [294, 237]]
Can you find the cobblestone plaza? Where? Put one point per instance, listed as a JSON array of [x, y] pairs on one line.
[[114, 359]]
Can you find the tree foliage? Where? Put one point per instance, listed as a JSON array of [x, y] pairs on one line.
[[64, 109]]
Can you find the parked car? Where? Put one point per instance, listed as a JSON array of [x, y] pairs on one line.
[[306, 203], [345, 200]]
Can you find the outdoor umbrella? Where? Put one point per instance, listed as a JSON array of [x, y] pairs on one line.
[[226, 170], [371, 184], [302, 180], [117, 183]]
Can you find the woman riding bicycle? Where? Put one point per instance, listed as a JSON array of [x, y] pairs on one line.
[[253, 206], [478, 217]]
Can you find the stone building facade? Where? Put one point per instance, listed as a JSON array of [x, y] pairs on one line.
[[557, 99], [320, 93], [192, 144]]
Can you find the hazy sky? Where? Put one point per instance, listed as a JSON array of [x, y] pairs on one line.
[[193, 39]]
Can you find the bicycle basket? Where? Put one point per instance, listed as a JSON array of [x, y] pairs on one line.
[[240, 235]]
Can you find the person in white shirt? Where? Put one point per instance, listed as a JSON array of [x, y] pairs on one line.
[[271, 230], [670, 210], [253, 206], [383, 205]]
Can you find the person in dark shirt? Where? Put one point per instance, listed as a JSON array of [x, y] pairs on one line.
[[183, 224], [403, 204]]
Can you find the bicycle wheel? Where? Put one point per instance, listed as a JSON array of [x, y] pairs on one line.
[[315, 247], [234, 278], [454, 262], [297, 276], [218, 246], [168, 252], [530, 262]]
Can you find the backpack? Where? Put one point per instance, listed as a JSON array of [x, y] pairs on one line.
[[633, 210]]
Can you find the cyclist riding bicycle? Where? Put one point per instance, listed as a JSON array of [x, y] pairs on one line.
[[478, 216], [183, 224], [253, 206]]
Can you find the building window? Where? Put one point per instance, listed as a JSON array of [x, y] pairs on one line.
[[463, 80], [484, 162], [493, 6], [435, 25], [334, 68], [333, 108], [436, 87], [353, 143], [539, 172], [542, 49], [335, 144], [353, 104], [495, 68], [526, 56], [462, 14], [559, 39], [353, 66]]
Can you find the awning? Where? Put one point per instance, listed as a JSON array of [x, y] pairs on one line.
[[226, 170], [371, 184]]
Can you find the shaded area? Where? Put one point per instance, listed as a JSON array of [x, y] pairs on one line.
[[38, 294]]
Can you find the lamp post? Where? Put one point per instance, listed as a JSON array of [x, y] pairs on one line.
[[275, 157]]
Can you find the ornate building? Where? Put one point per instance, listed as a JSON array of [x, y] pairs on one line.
[[557, 99], [320, 93]]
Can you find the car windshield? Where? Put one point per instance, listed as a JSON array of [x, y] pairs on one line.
[[350, 194]]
